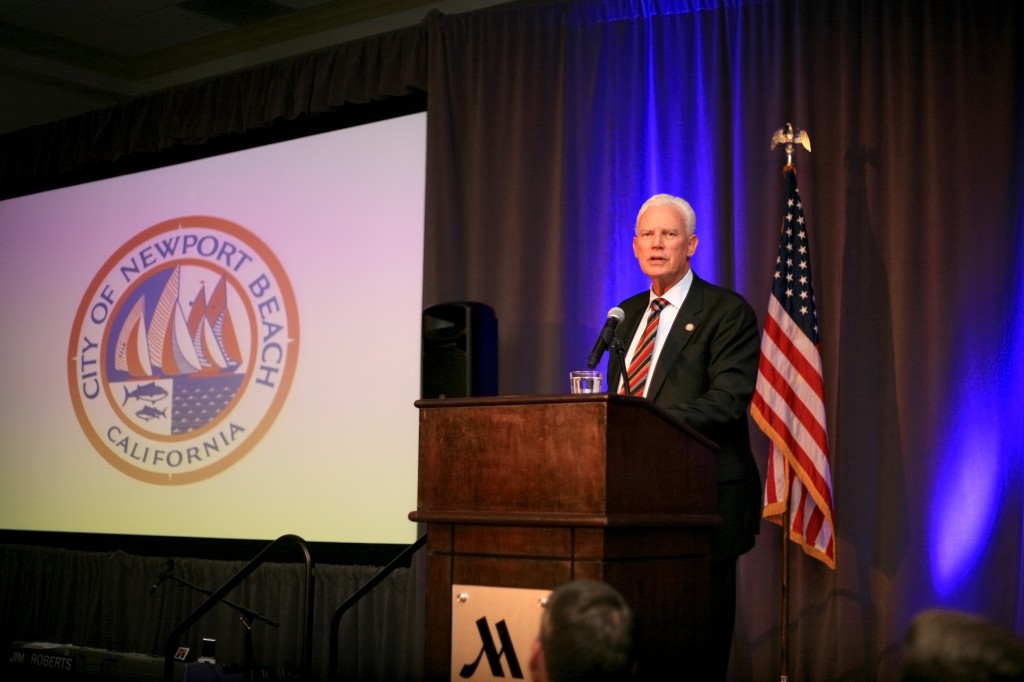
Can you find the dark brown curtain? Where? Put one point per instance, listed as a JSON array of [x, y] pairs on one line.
[[549, 123], [377, 68], [101, 600]]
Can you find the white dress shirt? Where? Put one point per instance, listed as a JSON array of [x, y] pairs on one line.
[[675, 297]]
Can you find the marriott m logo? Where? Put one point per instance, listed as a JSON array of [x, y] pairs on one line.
[[489, 651]]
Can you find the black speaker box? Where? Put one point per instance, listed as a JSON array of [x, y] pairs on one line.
[[459, 351]]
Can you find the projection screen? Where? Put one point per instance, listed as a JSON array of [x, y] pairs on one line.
[[224, 348]]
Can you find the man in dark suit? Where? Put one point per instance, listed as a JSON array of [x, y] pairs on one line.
[[701, 368]]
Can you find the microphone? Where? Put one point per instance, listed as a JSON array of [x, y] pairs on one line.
[[164, 574], [615, 316]]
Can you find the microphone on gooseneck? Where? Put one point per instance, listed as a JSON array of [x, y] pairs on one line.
[[604, 339], [168, 569]]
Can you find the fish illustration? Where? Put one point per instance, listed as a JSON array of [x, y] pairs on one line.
[[149, 412], [149, 392]]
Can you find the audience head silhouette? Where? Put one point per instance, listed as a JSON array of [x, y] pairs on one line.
[[586, 633], [952, 646]]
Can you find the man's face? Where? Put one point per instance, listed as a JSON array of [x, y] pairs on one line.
[[663, 247]]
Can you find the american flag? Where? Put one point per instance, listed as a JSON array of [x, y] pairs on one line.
[[789, 400]]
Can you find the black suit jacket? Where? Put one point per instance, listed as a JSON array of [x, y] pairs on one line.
[[705, 377]]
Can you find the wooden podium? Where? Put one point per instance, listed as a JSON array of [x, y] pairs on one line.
[[531, 491]]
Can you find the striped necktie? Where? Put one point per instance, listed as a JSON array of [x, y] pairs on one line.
[[636, 375]]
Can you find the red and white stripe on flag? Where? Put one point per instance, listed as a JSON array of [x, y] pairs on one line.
[[789, 403]]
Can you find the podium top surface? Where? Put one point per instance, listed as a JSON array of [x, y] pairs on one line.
[[605, 457], [613, 400]]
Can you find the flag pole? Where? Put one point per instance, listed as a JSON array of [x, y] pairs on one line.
[[786, 137], [784, 632]]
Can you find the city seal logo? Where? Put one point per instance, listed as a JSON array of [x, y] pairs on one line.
[[183, 350]]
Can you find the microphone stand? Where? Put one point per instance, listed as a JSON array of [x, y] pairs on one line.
[[620, 351], [248, 616]]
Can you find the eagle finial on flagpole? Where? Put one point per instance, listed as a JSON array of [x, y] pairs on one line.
[[787, 137]]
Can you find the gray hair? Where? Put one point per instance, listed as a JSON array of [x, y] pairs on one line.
[[681, 205]]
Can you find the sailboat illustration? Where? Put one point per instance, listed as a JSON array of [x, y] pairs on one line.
[[131, 352], [213, 334], [204, 343]]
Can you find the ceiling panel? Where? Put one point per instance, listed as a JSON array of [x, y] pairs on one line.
[[60, 58]]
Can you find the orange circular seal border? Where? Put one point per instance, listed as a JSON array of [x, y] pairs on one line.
[[289, 361]]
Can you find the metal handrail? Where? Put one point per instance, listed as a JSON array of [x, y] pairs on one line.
[[171, 644], [359, 594]]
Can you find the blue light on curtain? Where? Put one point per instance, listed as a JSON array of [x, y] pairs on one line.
[[981, 460], [967, 491], [666, 107], [657, 87]]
